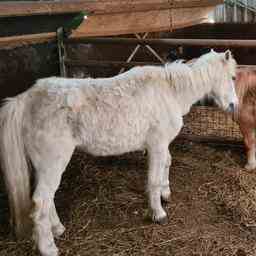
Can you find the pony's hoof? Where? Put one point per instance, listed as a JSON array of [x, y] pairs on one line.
[[58, 230], [52, 251], [160, 221], [165, 198], [250, 166], [165, 195]]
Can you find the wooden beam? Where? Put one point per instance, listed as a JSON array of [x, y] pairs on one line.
[[9, 9], [247, 66], [138, 22], [214, 140], [16, 41]]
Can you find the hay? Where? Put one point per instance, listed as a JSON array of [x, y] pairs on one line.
[[103, 205], [236, 194], [207, 122]]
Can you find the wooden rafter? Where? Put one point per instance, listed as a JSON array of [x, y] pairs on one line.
[[111, 17], [14, 41], [9, 9], [139, 22]]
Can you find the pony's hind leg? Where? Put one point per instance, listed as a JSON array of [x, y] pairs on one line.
[[50, 162], [249, 141], [165, 191], [42, 233]]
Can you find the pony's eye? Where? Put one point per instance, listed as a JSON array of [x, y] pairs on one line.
[[233, 78]]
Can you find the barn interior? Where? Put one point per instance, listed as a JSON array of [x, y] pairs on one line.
[[102, 200]]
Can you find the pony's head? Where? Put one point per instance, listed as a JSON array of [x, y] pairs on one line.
[[223, 89]]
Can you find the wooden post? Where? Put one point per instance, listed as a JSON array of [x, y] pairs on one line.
[[61, 52]]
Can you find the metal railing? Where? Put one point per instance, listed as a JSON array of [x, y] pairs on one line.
[[241, 4], [247, 8]]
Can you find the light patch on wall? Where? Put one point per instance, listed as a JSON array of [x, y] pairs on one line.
[[211, 18]]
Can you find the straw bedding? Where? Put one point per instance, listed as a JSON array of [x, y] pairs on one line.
[[103, 205]]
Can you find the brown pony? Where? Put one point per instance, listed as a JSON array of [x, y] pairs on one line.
[[245, 115]]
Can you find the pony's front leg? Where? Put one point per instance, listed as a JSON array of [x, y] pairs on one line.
[[157, 162], [249, 141], [165, 191], [250, 148], [57, 227]]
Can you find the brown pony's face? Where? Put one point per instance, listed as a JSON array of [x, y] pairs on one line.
[[224, 92]]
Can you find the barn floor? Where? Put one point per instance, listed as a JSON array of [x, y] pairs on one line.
[[103, 205]]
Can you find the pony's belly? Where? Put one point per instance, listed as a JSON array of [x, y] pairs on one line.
[[110, 144], [114, 137], [112, 129]]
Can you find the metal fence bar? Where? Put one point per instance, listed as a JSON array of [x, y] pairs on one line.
[[113, 64], [246, 12], [133, 52], [118, 64], [169, 42], [235, 12]]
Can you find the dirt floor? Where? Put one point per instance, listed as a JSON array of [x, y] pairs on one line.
[[103, 205]]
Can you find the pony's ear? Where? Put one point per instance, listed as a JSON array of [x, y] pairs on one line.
[[228, 55]]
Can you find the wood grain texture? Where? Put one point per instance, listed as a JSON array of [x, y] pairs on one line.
[[111, 17], [136, 22], [16, 41], [8, 9]]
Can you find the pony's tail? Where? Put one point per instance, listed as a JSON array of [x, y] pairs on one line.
[[15, 165]]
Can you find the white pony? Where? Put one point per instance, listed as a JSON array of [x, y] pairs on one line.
[[137, 110]]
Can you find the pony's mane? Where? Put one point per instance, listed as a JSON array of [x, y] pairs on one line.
[[196, 72]]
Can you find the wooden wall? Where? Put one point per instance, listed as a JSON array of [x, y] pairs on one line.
[[230, 31], [21, 66]]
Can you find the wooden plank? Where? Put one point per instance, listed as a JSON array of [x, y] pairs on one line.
[[16, 41], [8, 9], [136, 22], [247, 66], [214, 140], [47, 37]]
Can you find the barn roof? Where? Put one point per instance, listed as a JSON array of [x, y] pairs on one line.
[[25, 8], [112, 17], [115, 17]]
